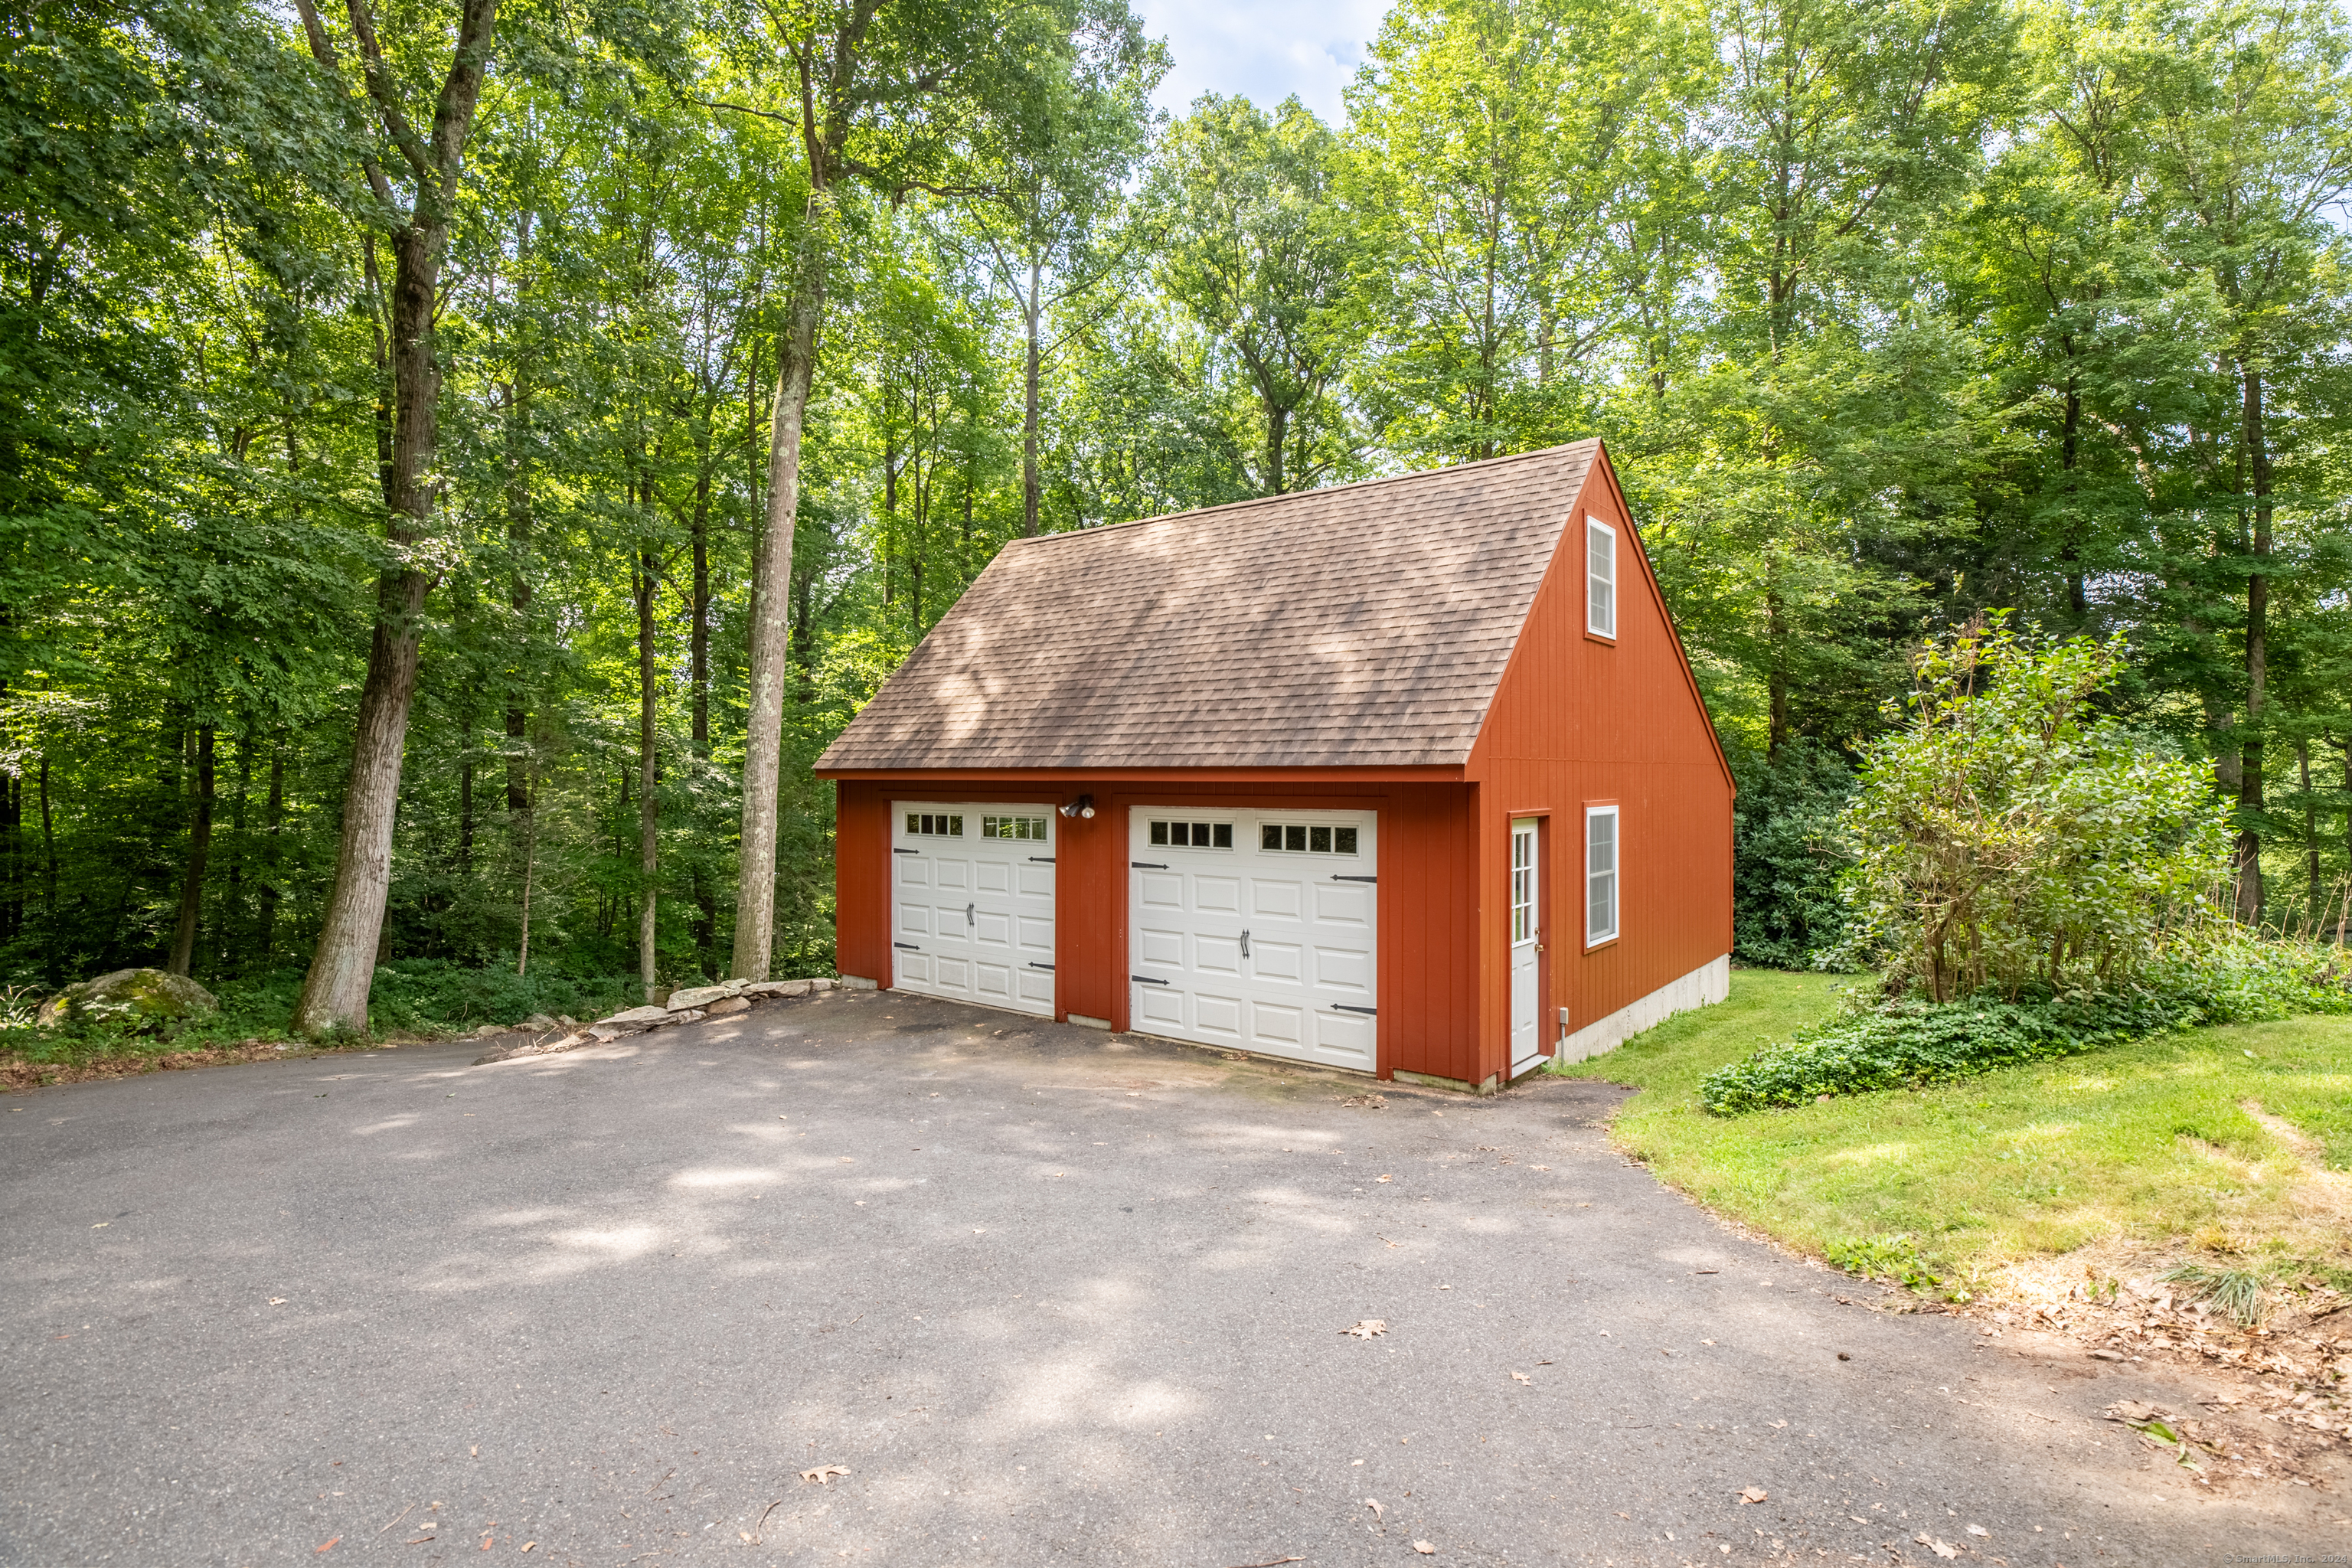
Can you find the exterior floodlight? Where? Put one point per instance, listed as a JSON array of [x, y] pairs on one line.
[[1082, 806]]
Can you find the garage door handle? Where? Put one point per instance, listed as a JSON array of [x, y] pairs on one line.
[[1367, 1012], [1245, 945], [1041, 859], [1146, 980], [1047, 967], [1355, 878], [905, 947], [1147, 865], [906, 852], [968, 909]]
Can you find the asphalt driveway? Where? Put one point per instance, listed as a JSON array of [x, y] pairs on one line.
[[1018, 1293]]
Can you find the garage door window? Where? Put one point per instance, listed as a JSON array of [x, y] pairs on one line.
[[923, 825], [1029, 828], [1193, 835], [1304, 839]]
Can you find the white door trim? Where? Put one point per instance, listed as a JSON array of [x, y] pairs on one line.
[[1526, 917]]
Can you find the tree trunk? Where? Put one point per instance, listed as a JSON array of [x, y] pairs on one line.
[[648, 807], [267, 938], [465, 791], [200, 844], [1029, 489], [53, 959], [1277, 427], [698, 644], [2249, 852], [763, 740], [342, 967], [2310, 832]]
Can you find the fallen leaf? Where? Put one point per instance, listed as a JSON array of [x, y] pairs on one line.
[[1365, 1328], [528, 1544], [330, 1546], [1940, 1548], [1621, 1514], [823, 1475], [1753, 1494], [101, 1224], [1423, 1547], [1778, 1422], [1382, 1178], [1979, 1529], [1522, 1377], [277, 1301], [1374, 1504]]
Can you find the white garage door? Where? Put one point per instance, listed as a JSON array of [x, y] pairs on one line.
[[1254, 930], [972, 903]]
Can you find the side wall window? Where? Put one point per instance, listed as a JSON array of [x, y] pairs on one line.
[[1599, 578], [1600, 874]]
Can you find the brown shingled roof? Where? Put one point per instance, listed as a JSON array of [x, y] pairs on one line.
[[1365, 625]]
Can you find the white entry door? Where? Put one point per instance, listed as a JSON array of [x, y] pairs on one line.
[[1255, 929], [1526, 948], [972, 903]]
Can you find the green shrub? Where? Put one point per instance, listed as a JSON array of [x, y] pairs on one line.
[[2216, 973], [2006, 838], [1786, 853], [1905, 1044]]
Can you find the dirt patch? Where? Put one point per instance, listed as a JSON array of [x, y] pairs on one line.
[[17, 1075]]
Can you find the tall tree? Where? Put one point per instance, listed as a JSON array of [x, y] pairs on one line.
[[335, 993], [1252, 241]]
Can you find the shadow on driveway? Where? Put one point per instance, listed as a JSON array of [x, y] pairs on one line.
[[1019, 1293]]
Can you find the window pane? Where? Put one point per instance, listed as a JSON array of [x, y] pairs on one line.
[[1343, 840], [955, 827], [1200, 836], [912, 820], [1269, 837], [1294, 838], [1319, 839], [1160, 833], [1225, 839]]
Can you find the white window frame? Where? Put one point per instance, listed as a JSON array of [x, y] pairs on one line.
[[1599, 590], [1614, 874]]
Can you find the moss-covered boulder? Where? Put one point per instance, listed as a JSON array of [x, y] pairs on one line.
[[131, 1000]]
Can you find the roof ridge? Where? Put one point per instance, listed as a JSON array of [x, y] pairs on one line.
[[1294, 494]]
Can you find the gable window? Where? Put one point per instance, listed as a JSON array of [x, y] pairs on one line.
[[1600, 875], [1599, 578], [1194, 835]]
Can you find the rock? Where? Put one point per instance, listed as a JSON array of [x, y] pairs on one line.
[[539, 1024], [131, 999], [485, 1031], [566, 1021], [635, 1017], [691, 1014], [776, 988], [727, 1005], [703, 995]]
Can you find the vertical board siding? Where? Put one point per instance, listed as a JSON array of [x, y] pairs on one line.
[[861, 879], [1579, 720]]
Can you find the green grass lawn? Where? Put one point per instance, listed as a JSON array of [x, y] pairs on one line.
[[2230, 1142]]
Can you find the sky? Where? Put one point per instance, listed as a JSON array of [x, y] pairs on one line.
[[1263, 51]]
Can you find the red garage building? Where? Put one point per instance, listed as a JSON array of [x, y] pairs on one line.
[[1407, 776]]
